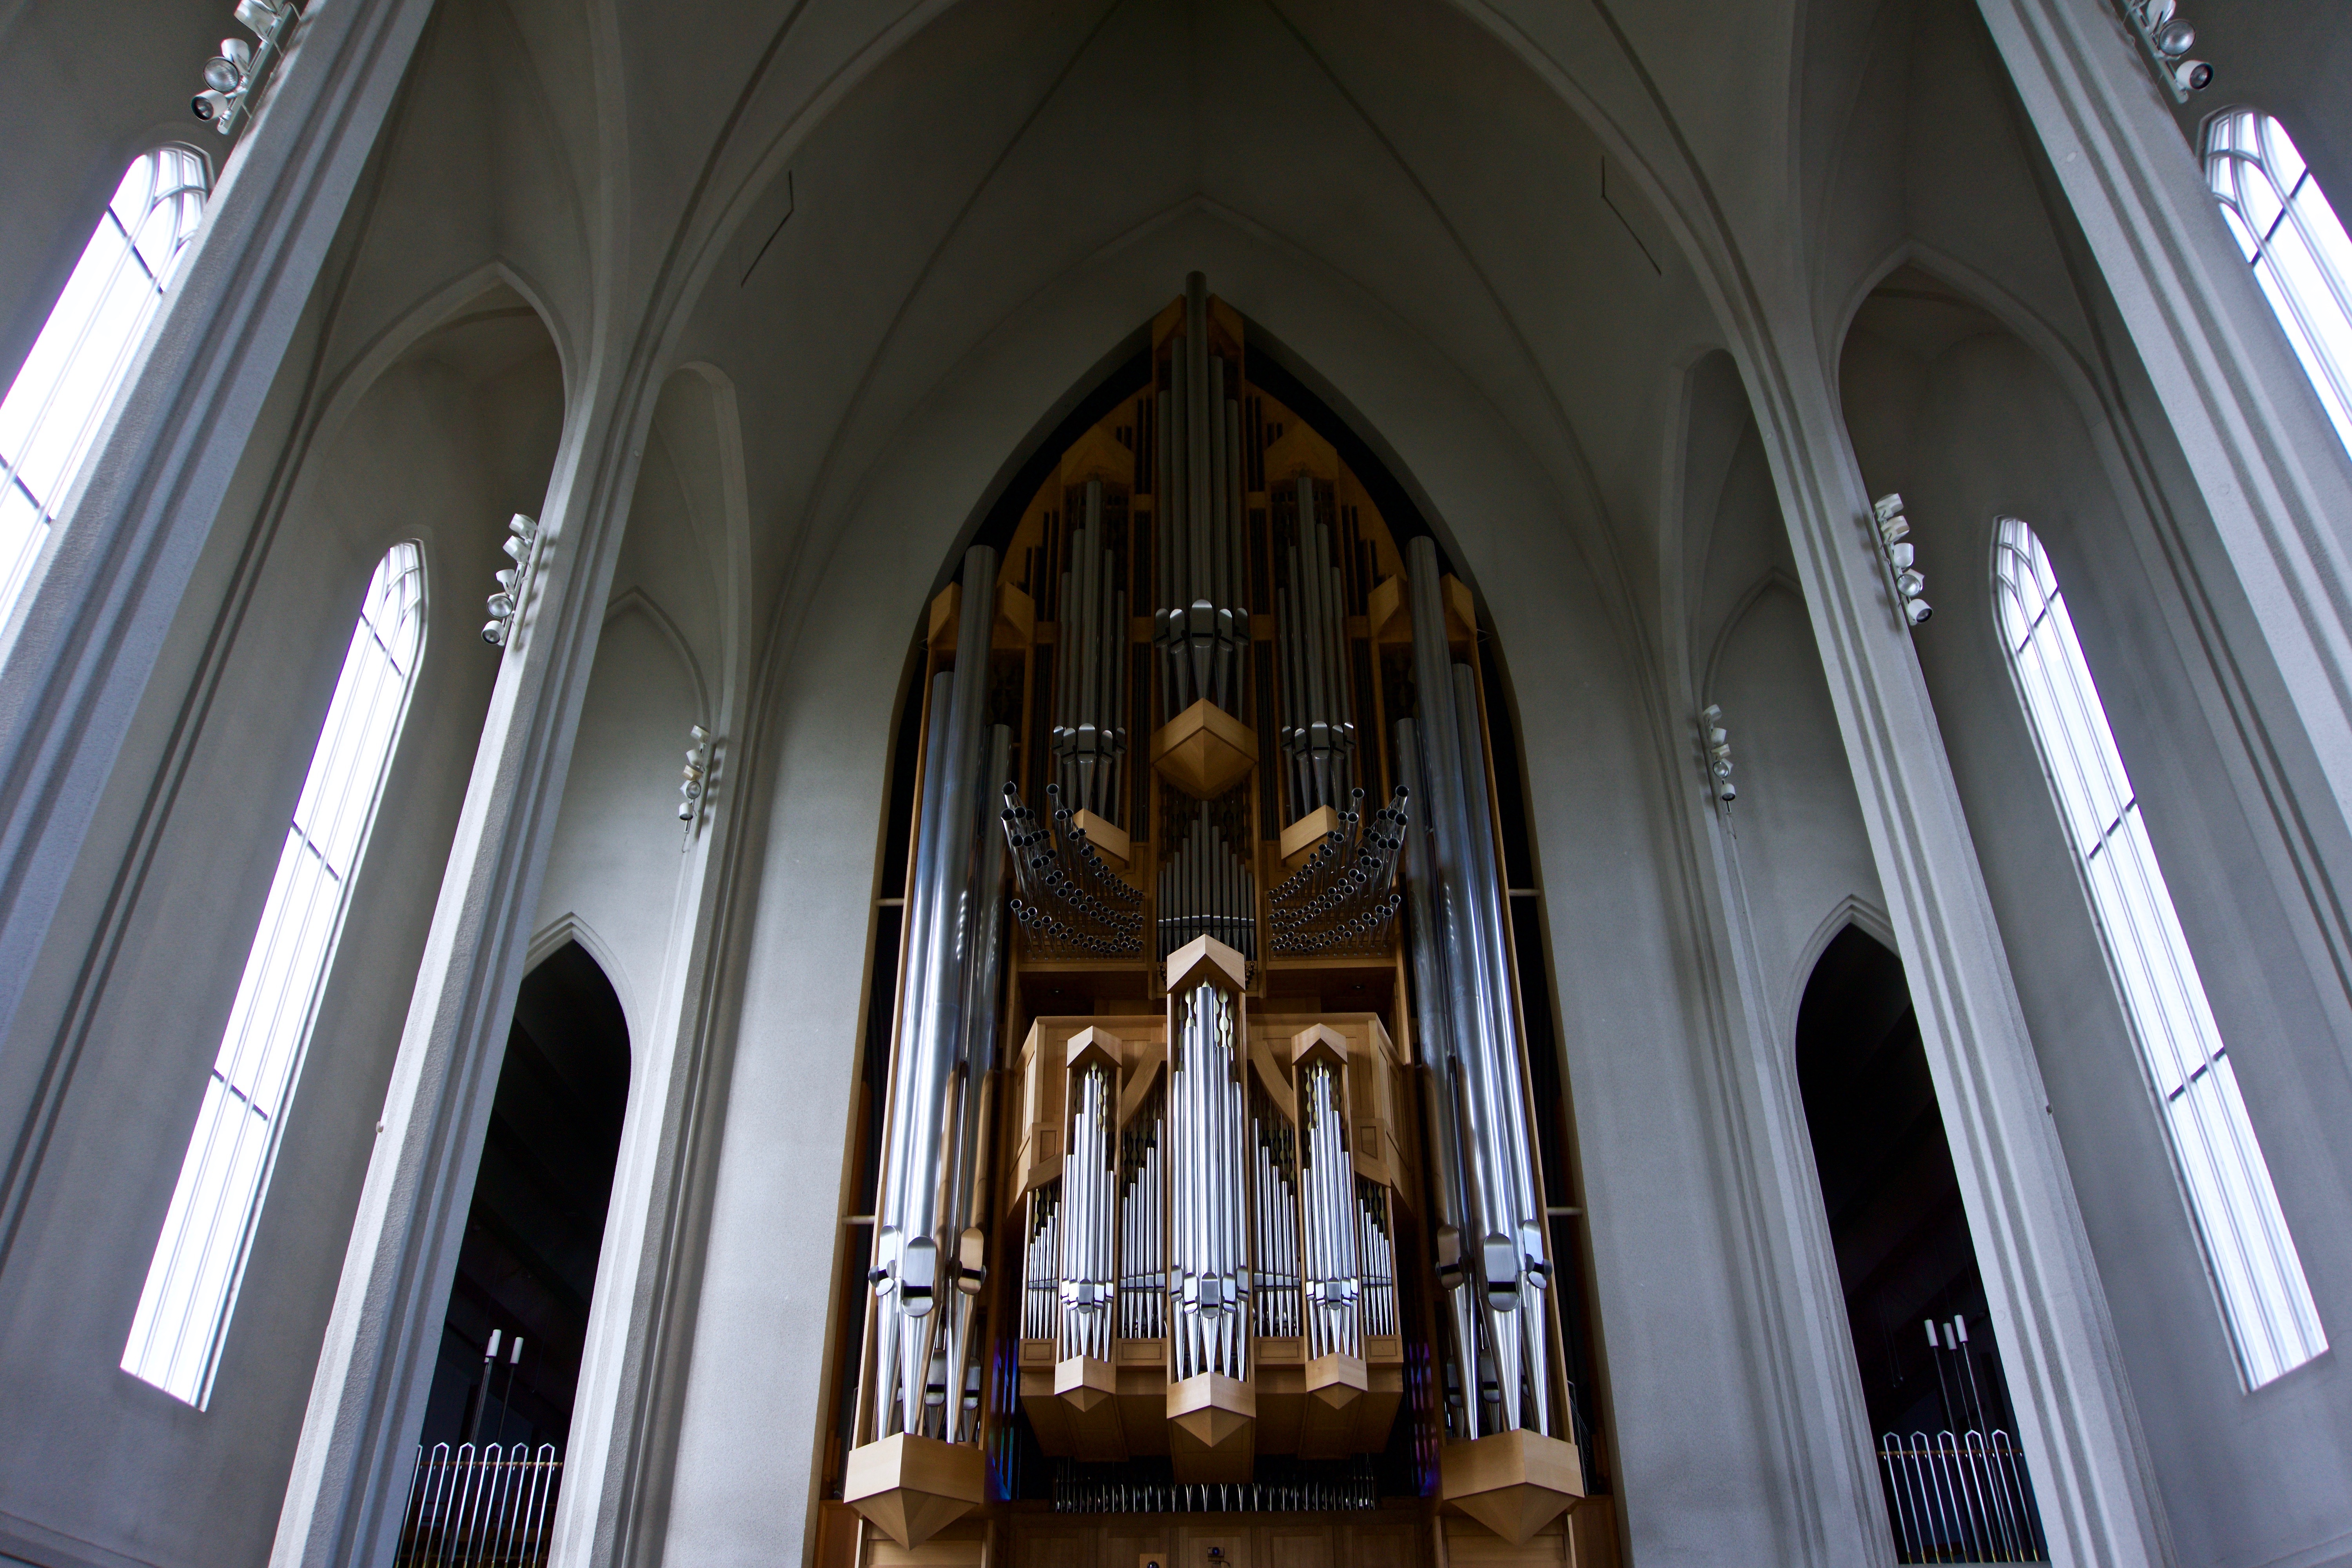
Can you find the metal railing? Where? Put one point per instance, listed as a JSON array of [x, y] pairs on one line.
[[486, 1507], [1960, 1500]]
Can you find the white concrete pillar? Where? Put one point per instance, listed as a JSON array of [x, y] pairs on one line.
[[79, 650], [2091, 1474], [2273, 476]]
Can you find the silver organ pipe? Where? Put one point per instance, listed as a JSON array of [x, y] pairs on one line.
[[1332, 1281], [1089, 1187], [1142, 1259], [1206, 889], [913, 1255], [1433, 1019], [1274, 1213], [1089, 737], [1318, 729], [1041, 1296], [1209, 1260], [1505, 1236], [1340, 902], [1376, 1255], [1202, 626], [963, 1210], [1069, 903]]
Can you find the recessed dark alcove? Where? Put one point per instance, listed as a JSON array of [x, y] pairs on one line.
[[528, 1265], [1904, 1253], [1939, 1412]]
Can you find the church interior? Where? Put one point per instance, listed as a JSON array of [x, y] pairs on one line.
[[1175, 784]]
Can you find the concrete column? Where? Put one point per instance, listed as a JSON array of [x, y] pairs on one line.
[[351, 1473], [2272, 474], [80, 646], [632, 1371], [1806, 1385], [2090, 1471]]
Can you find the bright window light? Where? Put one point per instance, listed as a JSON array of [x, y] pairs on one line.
[[192, 1284], [2256, 1273], [68, 380], [2281, 221]]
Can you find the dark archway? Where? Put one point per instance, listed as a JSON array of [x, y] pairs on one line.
[[528, 1265], [1956, 1484], [1904, 1253]]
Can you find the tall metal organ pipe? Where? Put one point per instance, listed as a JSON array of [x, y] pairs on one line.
[[1332, 1282], [964, 1206], [1201, 625], [1508, 1210], [1089, 737], [1089, 1193], [916, 1124], [1432, 1018], [1209, 1261]]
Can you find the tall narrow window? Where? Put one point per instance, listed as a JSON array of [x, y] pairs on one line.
[[2252, 1259], [192, 1284], [2300, 255], [54, 407]]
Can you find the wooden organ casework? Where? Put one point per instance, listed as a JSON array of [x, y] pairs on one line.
[[1206, 1188]]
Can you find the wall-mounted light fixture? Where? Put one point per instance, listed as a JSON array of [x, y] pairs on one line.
[[1716, 741], [697, 772], [1894, 548], [2165, 37], [514, 582], [235, 77]]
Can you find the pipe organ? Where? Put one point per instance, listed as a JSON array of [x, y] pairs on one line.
[[1208, 1150]]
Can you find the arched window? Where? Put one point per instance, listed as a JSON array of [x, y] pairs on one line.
[[192, 1284], [2300, 255], [54, 407], [2252, 1259]]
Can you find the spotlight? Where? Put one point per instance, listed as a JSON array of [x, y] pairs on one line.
[[2165, 37], [1716, 741], [234, 76], [1900, 557], [697, 766], [513, 581]]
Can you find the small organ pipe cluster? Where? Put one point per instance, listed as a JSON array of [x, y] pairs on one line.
[[1259, 1181]]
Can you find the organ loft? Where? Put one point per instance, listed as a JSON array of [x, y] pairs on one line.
[[1211, 1187]]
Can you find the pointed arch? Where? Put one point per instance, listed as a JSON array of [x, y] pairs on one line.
[[570, 928]]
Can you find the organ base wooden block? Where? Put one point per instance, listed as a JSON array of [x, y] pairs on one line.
[[1336, 1380], [1299, 839], [1514, 1483], [1204, 751], [1082, 1383], [1211, 1428], [964, 1544], [911, 1487]]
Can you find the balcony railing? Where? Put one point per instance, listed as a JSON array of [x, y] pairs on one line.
[[486, 1507], [1960, 1500]]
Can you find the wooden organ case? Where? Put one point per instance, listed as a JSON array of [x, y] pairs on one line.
[[1208, 1215]]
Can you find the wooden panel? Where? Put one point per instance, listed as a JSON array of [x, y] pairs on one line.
[[1295, 1546], [1401, 1544]]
